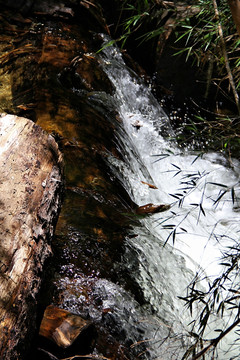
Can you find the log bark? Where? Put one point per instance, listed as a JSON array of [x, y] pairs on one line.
[[30, 198]]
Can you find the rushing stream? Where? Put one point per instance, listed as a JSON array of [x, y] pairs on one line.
[[119, 268], [161, 253], [202, 221], [190, 183]]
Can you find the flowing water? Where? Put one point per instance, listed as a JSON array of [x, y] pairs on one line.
[[130, 286], [167, 249], [184, 180], [123, 271]]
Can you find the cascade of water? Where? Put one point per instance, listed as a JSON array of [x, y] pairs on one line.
[[202, 221]]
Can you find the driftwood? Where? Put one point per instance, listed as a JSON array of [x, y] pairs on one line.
[[152, 209], [149, 185], [61, 326], [30, 198]]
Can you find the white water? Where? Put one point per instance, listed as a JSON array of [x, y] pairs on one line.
[[202, 233]]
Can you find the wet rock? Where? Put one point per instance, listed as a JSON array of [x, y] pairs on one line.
[[137, 124], [63, 334], [61, 326], [51, 81], [84, 72]]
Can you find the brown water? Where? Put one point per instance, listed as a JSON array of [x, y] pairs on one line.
[[42, 81]]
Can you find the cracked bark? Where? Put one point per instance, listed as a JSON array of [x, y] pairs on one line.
[[30, 199]]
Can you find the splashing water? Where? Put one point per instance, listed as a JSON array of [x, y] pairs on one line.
[[203, 192]]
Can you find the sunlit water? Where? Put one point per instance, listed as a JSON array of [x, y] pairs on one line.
[[202, 191], [164, 251]]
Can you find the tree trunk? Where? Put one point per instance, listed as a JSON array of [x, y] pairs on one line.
[[30, 198], [235, 10]]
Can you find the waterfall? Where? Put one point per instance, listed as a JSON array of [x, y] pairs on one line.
[[202, 191], [163, 252]]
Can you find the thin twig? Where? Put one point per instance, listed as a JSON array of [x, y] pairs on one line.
[[214, 342], [90, 356], [226, 59], [209, 76]]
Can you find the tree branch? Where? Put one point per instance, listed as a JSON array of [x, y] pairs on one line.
[[235, 10], [226, 59], [90, 356]]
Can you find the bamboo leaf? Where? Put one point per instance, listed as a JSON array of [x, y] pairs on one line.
[[167, 239], [233, 195], [202, 210], [171, 226], [222, 193], [175, 196], [174, 236], [183, 229], [178, 172], [217, 184], [176, 166]]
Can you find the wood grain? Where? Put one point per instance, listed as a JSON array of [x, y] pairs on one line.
[[30, 198]]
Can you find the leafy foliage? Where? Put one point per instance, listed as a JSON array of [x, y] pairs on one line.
[[212, 42], [196, 30], [219, 301], [135, 15], [197, 26], [216, 132]]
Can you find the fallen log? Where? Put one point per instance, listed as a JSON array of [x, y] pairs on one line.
[[30, 199]]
